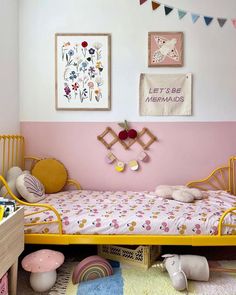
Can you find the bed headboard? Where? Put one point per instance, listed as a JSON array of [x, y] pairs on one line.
[[11, 152]]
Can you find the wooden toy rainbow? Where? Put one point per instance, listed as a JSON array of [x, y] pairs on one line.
[[91, 268]]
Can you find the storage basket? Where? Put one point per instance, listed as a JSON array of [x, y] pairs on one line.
[[142, 256], [4, 285]]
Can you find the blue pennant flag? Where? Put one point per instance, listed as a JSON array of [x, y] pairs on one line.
[[195, 17], [222, 21], [168, 9], [181, 13], [208, 20]]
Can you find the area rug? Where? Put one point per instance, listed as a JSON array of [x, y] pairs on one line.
[[135, 281]]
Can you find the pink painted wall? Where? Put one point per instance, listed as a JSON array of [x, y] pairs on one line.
[[185, 151]]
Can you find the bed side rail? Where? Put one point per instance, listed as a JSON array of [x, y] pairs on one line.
[[219, 179], [42, 208], [223, 223]]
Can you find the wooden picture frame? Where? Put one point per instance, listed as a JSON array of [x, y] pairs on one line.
[[83, 71], [165, 49]]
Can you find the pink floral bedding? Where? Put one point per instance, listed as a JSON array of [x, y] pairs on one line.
[[94, 212]]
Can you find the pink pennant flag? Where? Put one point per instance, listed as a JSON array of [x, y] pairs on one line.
[[142, 1], [234, 22]]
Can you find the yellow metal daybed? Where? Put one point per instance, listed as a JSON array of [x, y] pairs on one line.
[[222, 179]]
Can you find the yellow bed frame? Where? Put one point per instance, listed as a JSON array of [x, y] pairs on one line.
[[222, 178]]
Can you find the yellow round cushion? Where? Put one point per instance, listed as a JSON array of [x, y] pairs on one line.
[[51, 173]]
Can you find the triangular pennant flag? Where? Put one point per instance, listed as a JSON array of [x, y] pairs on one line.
[[208, 20], [155, 5], [181, 13], [234, 22], [168, 9], [221, 21], [142, 1], [195, 17]]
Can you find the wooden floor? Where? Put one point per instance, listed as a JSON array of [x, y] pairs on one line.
[[77, 253]]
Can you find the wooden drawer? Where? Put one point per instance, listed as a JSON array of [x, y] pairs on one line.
[[11, 239]]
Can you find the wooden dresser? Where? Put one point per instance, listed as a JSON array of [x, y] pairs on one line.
[[11, 246]]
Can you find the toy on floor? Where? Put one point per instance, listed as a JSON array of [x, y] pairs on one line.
[[42, 264], [179, 193], [183, 267], [91, 268]]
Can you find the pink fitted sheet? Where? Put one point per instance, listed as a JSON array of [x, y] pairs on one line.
[[133, 213]]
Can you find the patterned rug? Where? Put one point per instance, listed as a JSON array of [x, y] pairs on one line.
[[135, 281]]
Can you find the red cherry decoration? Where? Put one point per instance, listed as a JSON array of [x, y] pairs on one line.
[[123, 135], [84, 44], [132, 133]]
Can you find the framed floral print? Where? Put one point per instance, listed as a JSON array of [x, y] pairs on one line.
[[165, 49], [83, 71]]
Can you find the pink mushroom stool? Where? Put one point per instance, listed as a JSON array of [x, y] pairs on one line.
[[42, 264]]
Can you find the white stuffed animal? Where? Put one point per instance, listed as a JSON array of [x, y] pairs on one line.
[[183, 267], [11, 177], [179, 193]]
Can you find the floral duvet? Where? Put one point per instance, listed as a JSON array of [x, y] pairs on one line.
[[132, 213]]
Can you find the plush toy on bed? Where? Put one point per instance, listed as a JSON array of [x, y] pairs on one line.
[[179, 193], [11, 177]]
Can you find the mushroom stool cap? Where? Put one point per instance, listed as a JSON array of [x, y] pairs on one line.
[[42, 261]]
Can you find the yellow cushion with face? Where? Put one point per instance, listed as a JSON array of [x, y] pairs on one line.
[[51, 173]]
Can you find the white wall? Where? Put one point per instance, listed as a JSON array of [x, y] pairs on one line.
[[209, 55], [9, 118]]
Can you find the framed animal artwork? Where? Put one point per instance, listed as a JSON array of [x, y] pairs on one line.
[[165, 49]]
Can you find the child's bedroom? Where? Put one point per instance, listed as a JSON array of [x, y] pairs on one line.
[[117, 147]]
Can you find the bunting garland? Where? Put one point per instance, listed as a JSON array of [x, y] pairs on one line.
[[168, 9], [182, 13], [208, 20], [155, 5], [195, 17], [142, 1], [234, 22], [221, 21]]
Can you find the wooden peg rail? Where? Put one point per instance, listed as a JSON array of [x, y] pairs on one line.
[[127, 144]]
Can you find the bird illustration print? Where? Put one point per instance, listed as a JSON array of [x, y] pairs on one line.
[[166, 48]]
